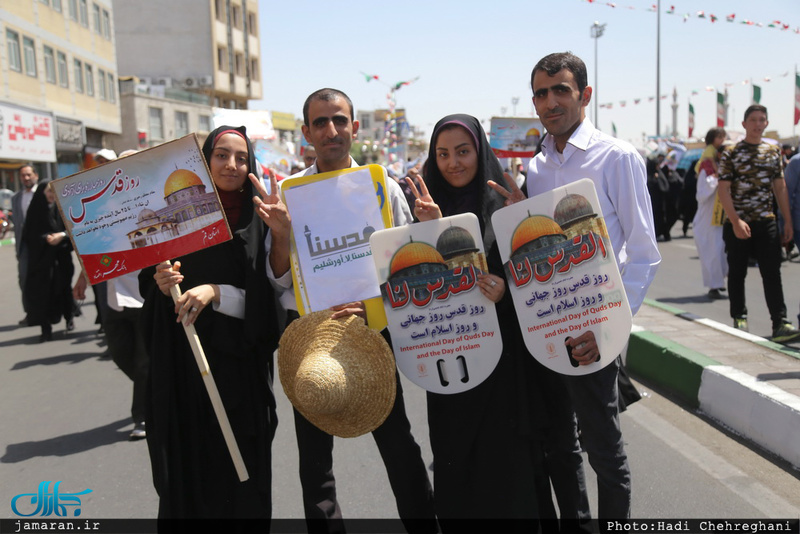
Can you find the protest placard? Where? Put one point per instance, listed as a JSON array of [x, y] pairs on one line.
[[445, 333], [333, 216], [563, 276], [140, 210]]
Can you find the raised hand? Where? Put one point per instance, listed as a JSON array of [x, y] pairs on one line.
[[513, 194], [425, 209], [270, 207]]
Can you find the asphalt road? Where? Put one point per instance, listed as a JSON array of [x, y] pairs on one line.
[[64, 415], [679, 283]]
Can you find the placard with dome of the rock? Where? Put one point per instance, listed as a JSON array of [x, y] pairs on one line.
[[141, 209], [563, 276], [445, 332]]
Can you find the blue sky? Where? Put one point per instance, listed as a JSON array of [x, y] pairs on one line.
[[476, 56]]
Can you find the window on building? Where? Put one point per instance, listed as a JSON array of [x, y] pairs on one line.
[[45, 2], [252, 24], [89, 80], [236, 15], [14, 58], [73, 9], [219, 8], [156, 124], [106, 25], [29, 51], [57, 5], [238, 59], [78, 75], [96, 18], [205, 123], [181, 123], [101, 84], [84, 13], [63, 71], [49, 64], [112, 89], [222, 58], [254, 73]]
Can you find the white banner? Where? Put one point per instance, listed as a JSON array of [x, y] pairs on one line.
[[26, 135], [445, 332], [562, 275]]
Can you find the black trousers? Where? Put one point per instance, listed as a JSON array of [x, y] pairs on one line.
[[400, 453], [765, 244]]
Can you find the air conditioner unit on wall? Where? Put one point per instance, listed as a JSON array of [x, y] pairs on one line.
[[166, 82], [205, 81]]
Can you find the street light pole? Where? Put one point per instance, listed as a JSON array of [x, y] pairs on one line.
[[597, 30], [515, 101]]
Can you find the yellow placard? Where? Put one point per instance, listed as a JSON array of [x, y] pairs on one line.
[[376, 317]]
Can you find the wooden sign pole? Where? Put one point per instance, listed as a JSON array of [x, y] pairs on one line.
[[213, 393]]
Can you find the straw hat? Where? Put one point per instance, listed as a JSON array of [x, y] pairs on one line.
[[339, 374]]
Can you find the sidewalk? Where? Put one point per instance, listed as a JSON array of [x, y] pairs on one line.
[[746, 383]]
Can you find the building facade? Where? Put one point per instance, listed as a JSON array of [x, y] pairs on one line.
[[214, 49], [59, 86]]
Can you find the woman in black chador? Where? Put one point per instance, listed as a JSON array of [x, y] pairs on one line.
[[485, 454], [227, 297], [50, 268]]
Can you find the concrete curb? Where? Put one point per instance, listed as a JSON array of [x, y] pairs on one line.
[[758, 411], [677, 368], [761, 412]]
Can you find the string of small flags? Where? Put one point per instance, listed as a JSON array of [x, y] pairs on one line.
[[706, 15]]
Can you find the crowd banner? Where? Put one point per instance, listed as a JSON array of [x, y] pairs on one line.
[[333, 216], [445, 333], [142, 209], [515, 137], [563, 276]]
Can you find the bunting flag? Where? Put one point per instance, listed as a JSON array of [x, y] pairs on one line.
[[613, 129], [691, 119], [756, 94], [398, 85], [704, 15], [720, 110], [796, 98], [369, 77]]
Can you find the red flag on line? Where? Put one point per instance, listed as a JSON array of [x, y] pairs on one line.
[[796, 98]]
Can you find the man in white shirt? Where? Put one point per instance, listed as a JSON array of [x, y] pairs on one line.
[[572, 150], [330, 128], [19, 210]]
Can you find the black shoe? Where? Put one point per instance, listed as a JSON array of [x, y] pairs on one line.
[[46, 336], [714, 294], [70, 325], [785, 333], [23, 322]]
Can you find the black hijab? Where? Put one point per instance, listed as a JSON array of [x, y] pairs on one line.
[[476, 197], [238, 203]]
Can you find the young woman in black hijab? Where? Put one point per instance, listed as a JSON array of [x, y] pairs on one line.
[[482, 439], [50, 268], [229, 300]]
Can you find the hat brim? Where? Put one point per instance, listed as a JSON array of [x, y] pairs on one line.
[[363, 354]]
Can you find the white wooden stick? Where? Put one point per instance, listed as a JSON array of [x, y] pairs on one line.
[[213, 393]]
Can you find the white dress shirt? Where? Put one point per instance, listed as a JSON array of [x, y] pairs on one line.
[[620, 178]]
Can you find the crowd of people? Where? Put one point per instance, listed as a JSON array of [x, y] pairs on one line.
[[501, 450]]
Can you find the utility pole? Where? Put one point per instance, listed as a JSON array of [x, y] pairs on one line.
[[597, 30]]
